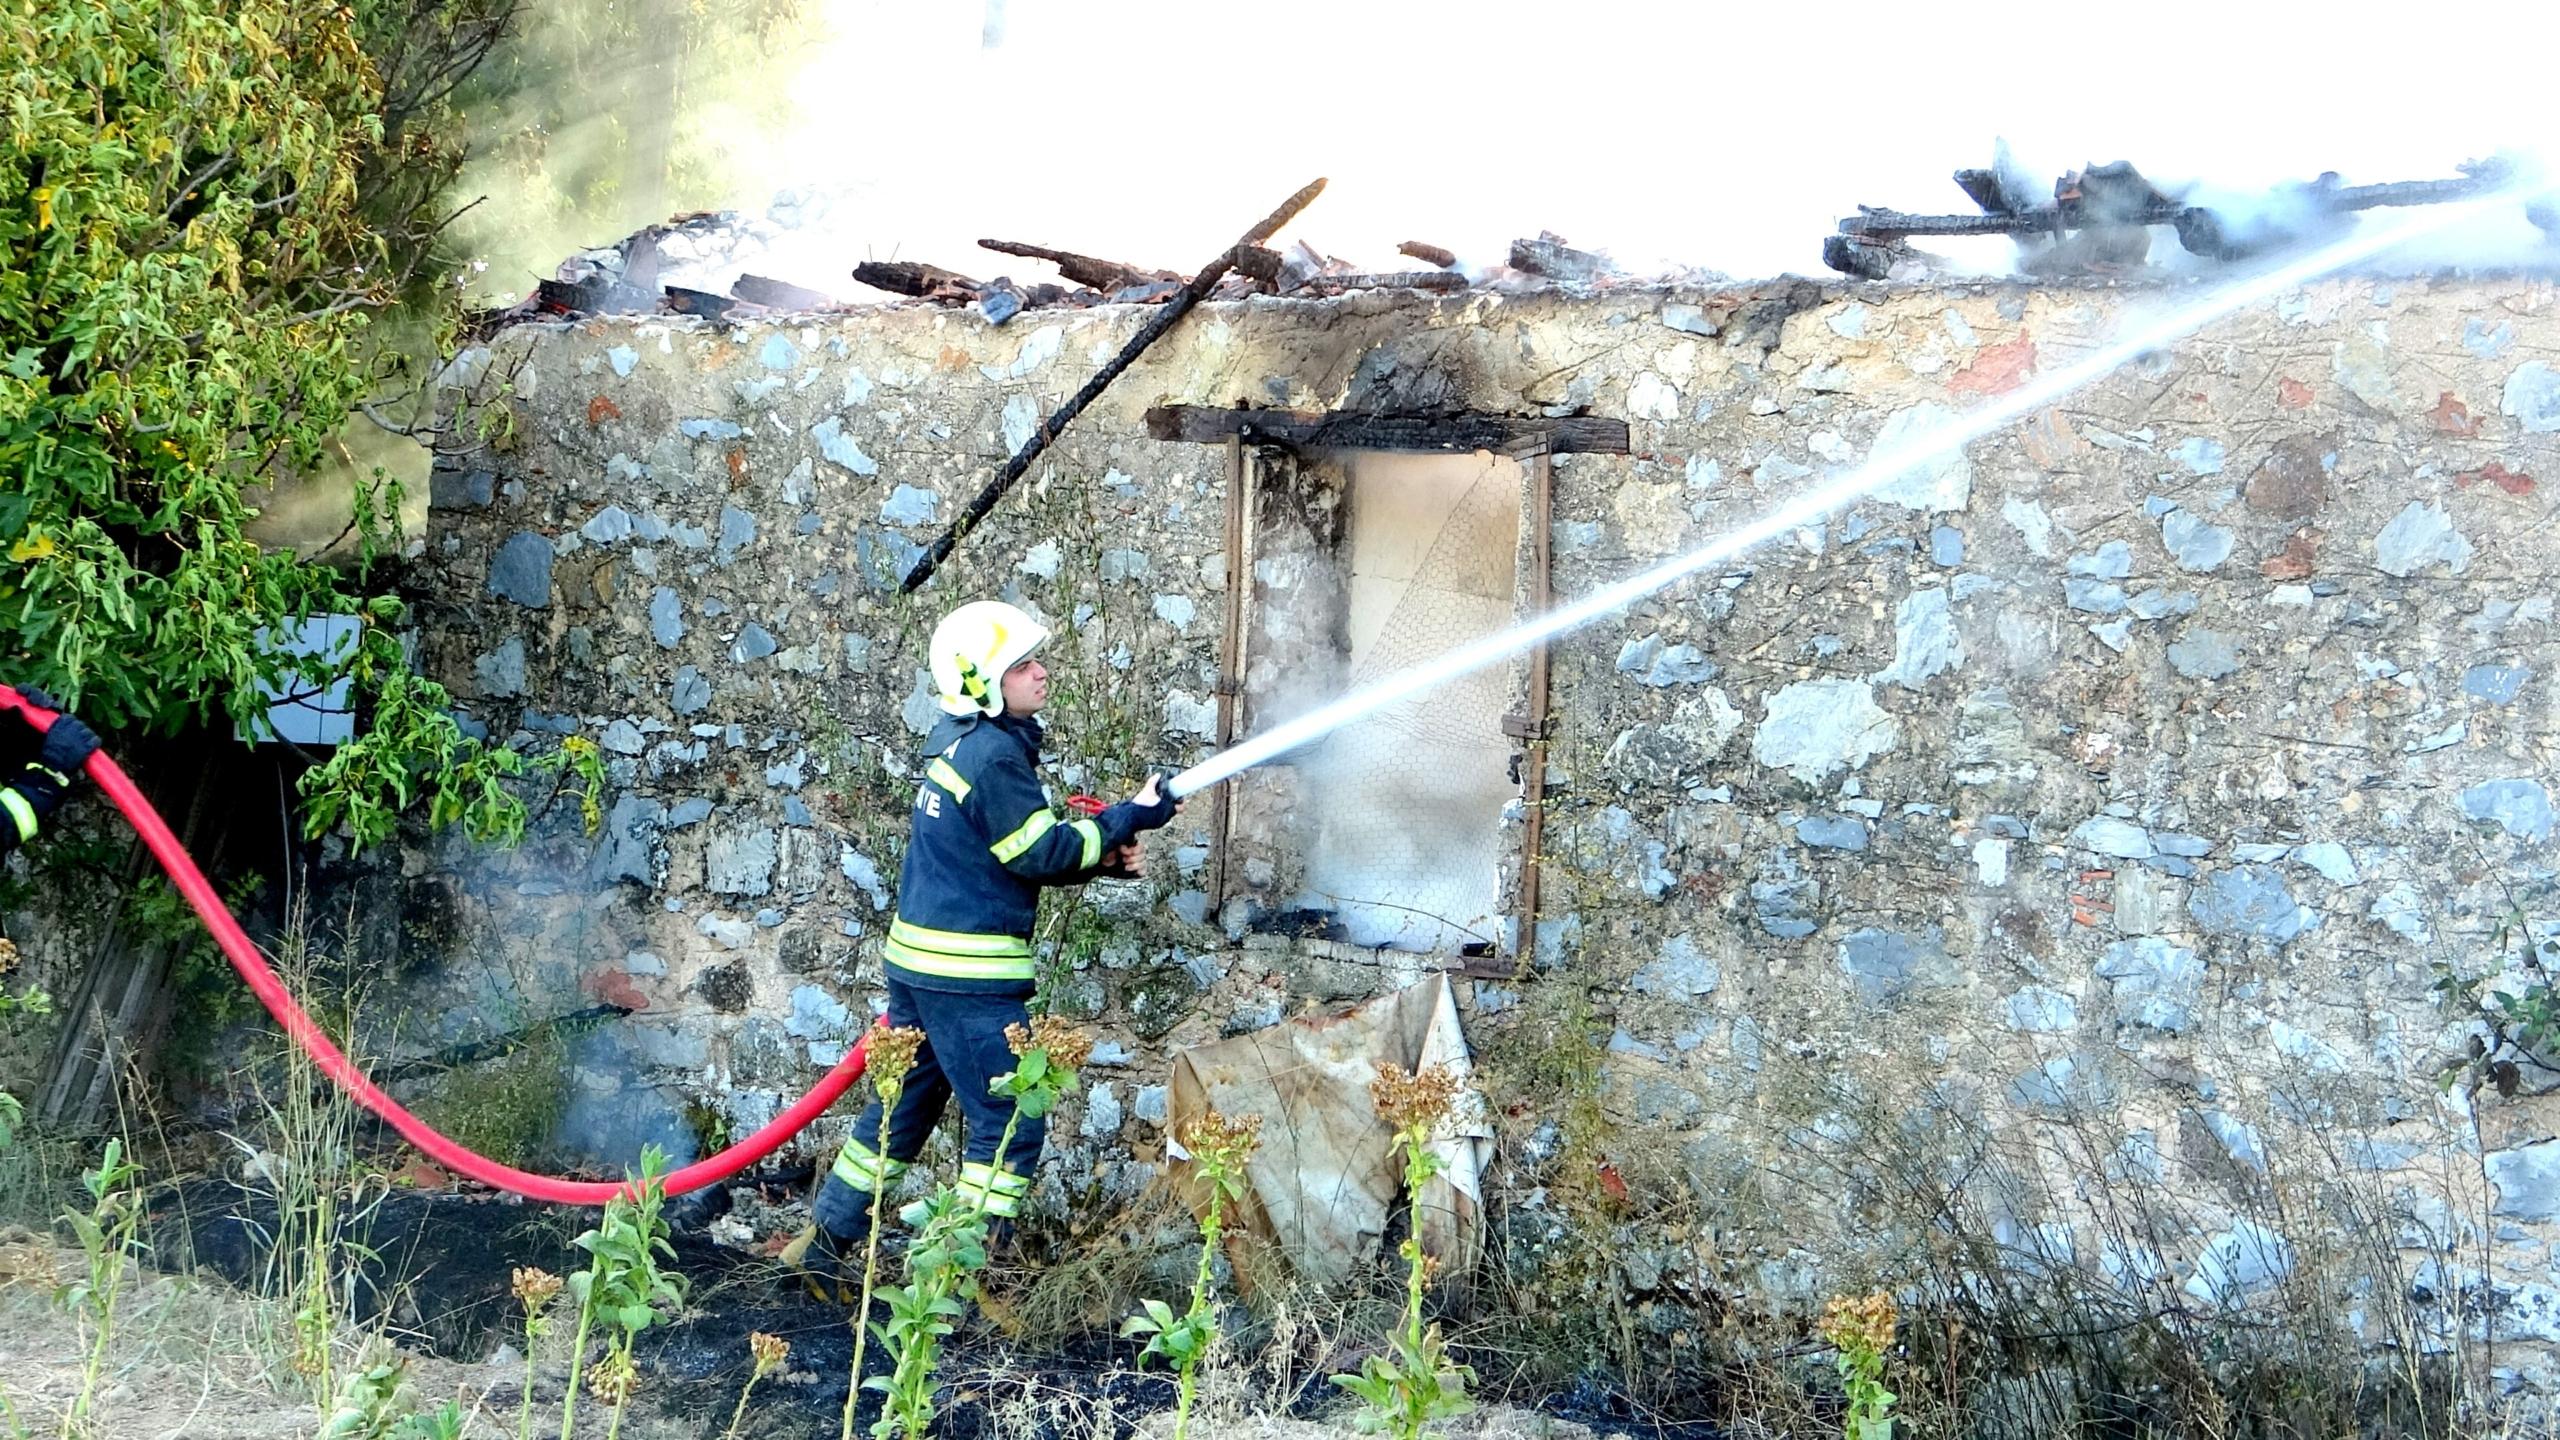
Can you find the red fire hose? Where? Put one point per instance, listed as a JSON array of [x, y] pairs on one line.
[[253, 968]]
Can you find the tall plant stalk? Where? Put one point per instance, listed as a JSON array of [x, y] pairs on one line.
[[951, 1240], [892, 1055], [1220, 1147]]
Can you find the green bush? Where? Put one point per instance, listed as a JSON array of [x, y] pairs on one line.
[[203, 205]]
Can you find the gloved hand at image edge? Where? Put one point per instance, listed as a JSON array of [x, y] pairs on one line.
[[69, 744], [1150, 809]]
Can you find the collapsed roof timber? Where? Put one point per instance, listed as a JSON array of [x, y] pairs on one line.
[[2101, 217], [2098, 221]]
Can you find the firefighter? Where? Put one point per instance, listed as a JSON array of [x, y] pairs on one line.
[[983, 840], [36, 767]]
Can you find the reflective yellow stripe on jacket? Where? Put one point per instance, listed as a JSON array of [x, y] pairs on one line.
[[956, 955], [20, 811], [941, 773], [1011, 847]]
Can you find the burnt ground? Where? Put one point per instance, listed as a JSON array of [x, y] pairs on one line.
[[440, 1268]]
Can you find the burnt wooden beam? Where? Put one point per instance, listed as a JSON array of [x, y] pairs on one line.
[[1354, 430], [1556, 260], [1259, 262], [1429, 254], [1158, 323], [1103, 275], [714, 308], [780, 294], [912, 277]]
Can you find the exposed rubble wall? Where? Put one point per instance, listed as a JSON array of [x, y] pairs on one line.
[[2079, 829]]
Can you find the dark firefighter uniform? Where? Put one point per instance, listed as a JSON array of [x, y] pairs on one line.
[[984, 840], [37, 769]]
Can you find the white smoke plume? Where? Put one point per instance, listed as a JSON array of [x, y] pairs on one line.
[[1670, 136]]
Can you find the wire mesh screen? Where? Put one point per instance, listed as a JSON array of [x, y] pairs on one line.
[[1405, 842]]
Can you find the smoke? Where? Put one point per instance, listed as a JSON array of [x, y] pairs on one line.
[[1668, 136], [600, 116], [1408, 799]]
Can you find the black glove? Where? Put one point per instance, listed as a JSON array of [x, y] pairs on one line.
[[68, 745], [1151, 817]]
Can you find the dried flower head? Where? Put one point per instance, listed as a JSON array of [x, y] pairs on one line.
[[1221, 1139], [614, 1378], [535, 1287], [8, 954], [770, 1351], [1413, 1103], [1863, 1324], [892, 1054], [1066, 1046]]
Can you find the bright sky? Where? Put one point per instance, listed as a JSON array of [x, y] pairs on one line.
[[1730, 137]]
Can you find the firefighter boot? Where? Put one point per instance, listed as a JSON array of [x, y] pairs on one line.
[[827, 1265]]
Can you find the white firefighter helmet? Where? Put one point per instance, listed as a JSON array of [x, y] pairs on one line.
[[973, 647]]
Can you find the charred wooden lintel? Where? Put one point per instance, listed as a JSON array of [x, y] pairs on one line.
[[1429, 254], [913, 278], [1103, 275], [780, 294], [1354, 430]]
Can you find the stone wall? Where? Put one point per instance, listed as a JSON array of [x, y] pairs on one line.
[[2083, 823]]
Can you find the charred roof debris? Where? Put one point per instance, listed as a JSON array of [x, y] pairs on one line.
[[2099, 220]]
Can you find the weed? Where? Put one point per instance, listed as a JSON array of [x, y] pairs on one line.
[[374, 1402], [951, 1233], [317, 1254], [535, 1289], [892, 1054], [106, 1233], [579, 761], [35, 1001], [1414, 1383], [623, 1286], [1220, 1149], [1862, 1331], [1071, 934], [769, 1352], [505, 1107], [445, 1422], [2519, 1008]]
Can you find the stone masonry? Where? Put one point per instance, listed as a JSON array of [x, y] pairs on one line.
[[2132, 778]]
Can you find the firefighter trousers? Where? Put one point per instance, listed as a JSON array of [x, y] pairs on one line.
[[964, 1051]]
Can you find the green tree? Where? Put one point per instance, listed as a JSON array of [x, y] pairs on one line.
[[204, 204]]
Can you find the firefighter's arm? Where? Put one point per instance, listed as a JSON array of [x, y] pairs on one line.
[[26, 798], [31, 793], [1035, 841]]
